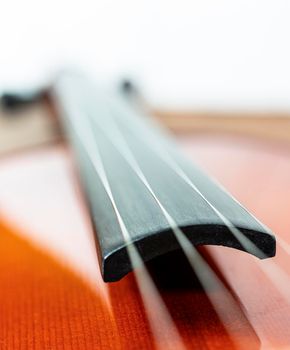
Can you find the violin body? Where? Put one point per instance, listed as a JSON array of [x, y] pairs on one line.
[[52, 293]]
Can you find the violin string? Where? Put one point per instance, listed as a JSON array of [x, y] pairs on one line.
[[169, 160], [275, 273], [206, 275], [285, 245], [161, 324]]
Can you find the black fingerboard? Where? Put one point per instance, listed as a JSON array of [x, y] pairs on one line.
[[134, 174]]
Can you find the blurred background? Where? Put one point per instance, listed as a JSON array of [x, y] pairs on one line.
[[184, 54]]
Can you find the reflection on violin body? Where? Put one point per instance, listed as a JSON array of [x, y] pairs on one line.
[[213, 297]]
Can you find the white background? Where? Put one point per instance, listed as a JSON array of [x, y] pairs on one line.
[[200, 54]]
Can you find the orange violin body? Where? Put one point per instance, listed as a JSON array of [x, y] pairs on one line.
[[52, 294]]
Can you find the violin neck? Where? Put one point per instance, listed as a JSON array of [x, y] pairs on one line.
[[141, 189]]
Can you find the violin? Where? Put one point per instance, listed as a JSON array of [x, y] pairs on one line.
[[116, 235]]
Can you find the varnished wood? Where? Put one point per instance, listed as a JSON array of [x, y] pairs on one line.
[[35, 125], [52, 296], [270, 125], [51, 292], [28, 127]]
